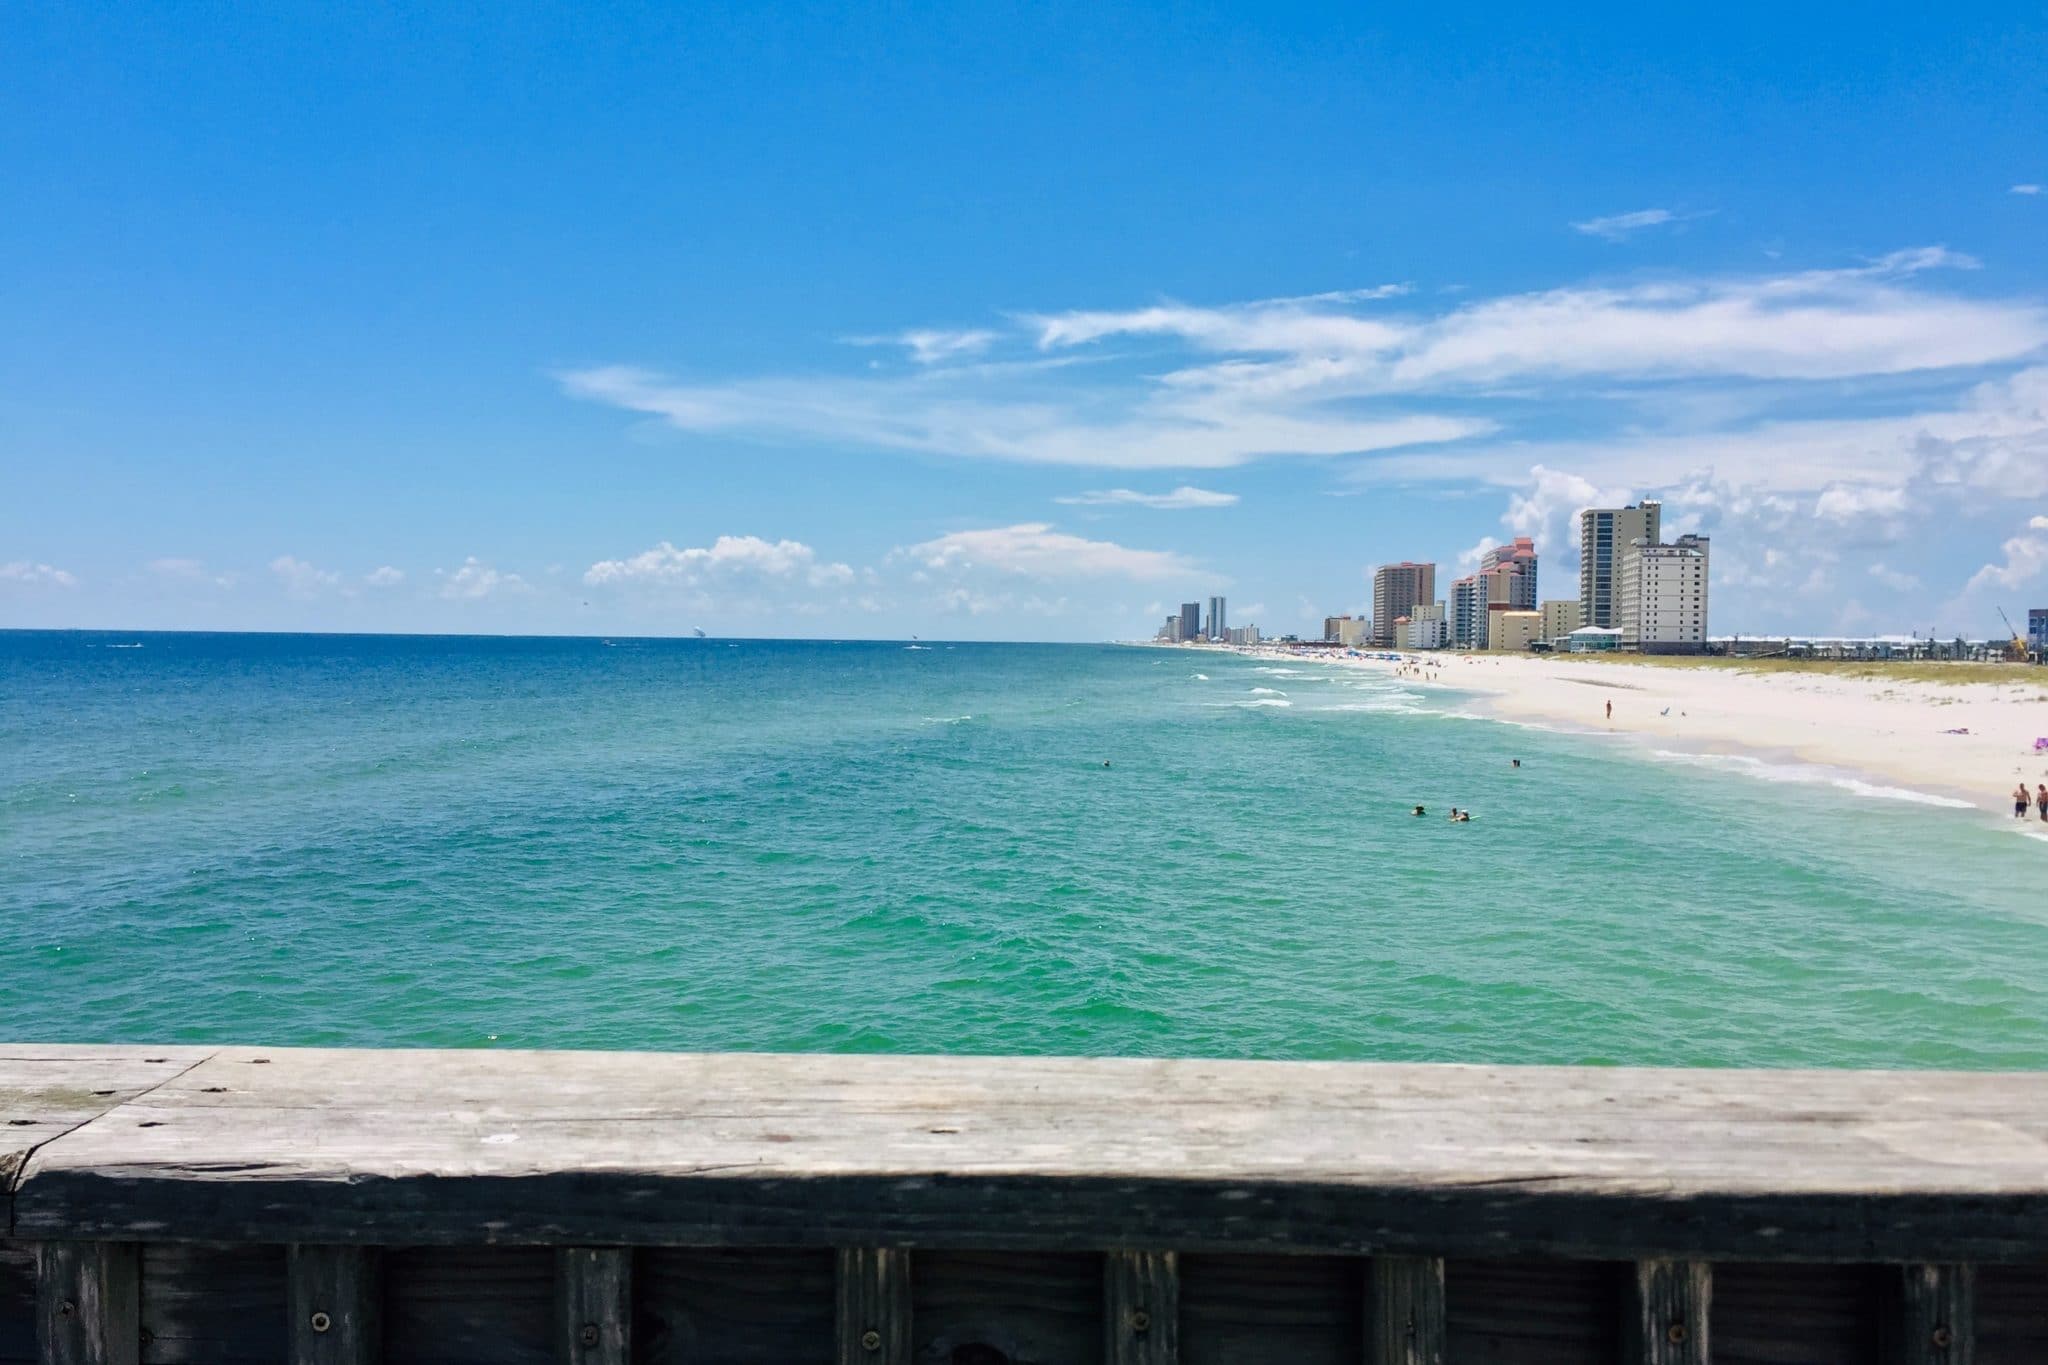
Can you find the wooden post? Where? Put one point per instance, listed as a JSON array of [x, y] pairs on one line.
[[1669, 1305], [593, 1305], [88, 1303], [1937, 1322], [1141, 1308], [872, 1309], [334, 1304], [1404, 1321]]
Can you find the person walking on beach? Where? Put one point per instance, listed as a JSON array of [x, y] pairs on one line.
[[2020, 801], [2041, 800], [1610, 709]]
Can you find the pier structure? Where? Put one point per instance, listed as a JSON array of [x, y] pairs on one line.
[[211, 1206]]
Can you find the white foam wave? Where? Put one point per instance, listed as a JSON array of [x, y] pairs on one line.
[[1200, 677], [1809, 775], [1267, 692], [1253, 704], [946, 720], [1282, 672]]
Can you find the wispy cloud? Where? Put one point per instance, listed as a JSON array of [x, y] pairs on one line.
[[384, 577], [179, 569], [1183, 497], [2026, 189], [1617, 227], [301, 579], [933, 345], [1036, 550], [29, 572]]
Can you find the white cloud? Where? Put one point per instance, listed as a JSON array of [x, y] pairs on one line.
[[1844, 502], [1182, 497], [1893, 579], [2026, 558], [301, 579], [384, 577], [725, 559], [29, 572], [476, 580], [932, 345], [178, 569], [1617, 227], [1036, 550], [2026, 189]]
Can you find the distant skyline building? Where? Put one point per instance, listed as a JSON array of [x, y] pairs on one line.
[[1513, 628], [1662, 595], [1218, 628], [1467, 613], [1518, 558], [1396, 589], [1560, 617], [1190, 620], [1605, 533], [2037, 633]]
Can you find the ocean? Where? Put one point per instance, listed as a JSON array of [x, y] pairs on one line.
[[972, 848]]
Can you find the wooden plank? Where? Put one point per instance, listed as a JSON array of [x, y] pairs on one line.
[[593, 1305], [1767, 1314], [725, 1306], [17, 1303], [2012, 1315], [1404, 1320], [981, 1306], [334, 1305], [1271, 1310], [469, 1306], [46, 1090], [1141, 1308], [1528, 1312], [871, 1318], [87, 1303], [1937, 1315], [1668, 1311], [1062, 1154], [205, 1304]]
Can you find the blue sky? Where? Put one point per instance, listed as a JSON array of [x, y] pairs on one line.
[[1022, 321]]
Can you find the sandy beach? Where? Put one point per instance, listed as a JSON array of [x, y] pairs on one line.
[[1963, 742]]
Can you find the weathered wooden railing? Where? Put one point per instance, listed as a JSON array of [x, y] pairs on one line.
[[236, 1205]]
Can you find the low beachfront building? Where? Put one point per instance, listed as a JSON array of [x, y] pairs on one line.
[[1513, 630], [1425, 627], [1593, 640]]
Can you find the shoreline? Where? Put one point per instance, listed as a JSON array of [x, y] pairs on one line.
[[1897, 734]]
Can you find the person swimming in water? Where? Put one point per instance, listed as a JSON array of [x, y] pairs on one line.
[[1515, 762], [1420, 811]]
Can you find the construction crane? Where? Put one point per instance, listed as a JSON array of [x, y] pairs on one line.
[[2016, 647]]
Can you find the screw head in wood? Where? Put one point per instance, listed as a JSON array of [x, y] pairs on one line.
[[871, 1340], [1941, 1337], [1141, 1321], [320, 1322], [588, 1336], [67, 1308], [1675, 1334]]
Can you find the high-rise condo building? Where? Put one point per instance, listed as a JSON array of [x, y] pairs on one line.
[[1468, 612], [1190, 620], [1219, 629], [1519, 583], [1605, 533], [1662, 596], [1396, 588]]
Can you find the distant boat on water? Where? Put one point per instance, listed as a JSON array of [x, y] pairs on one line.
[[698, 631]]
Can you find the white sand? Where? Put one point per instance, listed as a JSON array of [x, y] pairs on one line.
[[1893, 732]]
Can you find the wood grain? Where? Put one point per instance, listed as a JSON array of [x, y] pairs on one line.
[[872, 1304], [87, 1303], [1669, 1309], [1061, 1155], [593, 1305], [1405, 1321], [1937, 1315], [334, 1305], [1141, 1308], [47, 1090]]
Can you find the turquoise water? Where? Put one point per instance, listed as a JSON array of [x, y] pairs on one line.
[[700, 844]]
